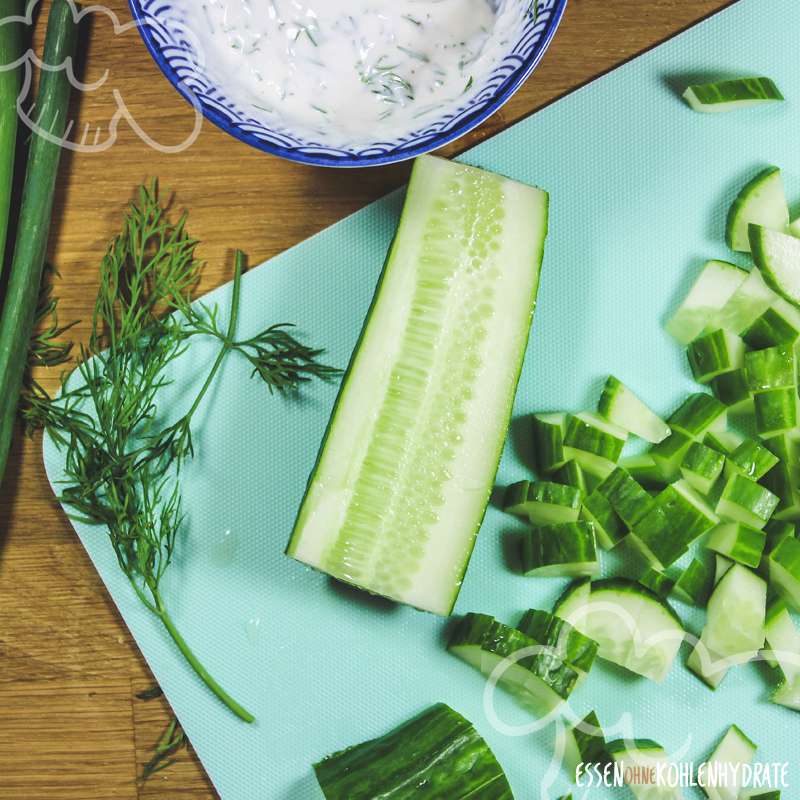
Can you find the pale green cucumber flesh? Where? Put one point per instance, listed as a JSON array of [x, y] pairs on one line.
[[740, 543], [777, 255], [784, 571], [746, 304], [619, 405], [405, 471], [733, 748], [762, 201]]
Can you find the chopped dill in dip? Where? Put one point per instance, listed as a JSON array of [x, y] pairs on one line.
[[351, 72]]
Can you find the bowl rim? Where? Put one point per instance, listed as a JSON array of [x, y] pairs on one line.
[[469, 122]]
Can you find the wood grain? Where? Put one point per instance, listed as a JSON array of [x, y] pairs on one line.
[[70, 725]]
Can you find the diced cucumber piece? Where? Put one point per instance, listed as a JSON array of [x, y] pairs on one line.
[[632, 626], [744, 500], [668, 455], [639, 758], [777, 255], [657, 582], [697, 414], [771, 368], [779, 324], [775, 410], [701, 466], [752, 459], [723, 441], [584, 743], [733, 389], [740, 543], [571, 474], [563, 550], [713, 288], [627, 497], [715, 353], [733, 94], [721, 565], [439, 750], [762, 201], [784, 570], [548, 441], [694, 584], [618, 404], [642, 468], [590, 433], [595, 467], [408, 462], [782, 648], [781, 482], [543, 502], [735, 618], [567, 643], [776, 531], [608, 527], [537, 678], [746, 304], [734, 749], [708, 666]]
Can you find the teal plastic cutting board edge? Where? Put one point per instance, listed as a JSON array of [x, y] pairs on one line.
[[639, 187]]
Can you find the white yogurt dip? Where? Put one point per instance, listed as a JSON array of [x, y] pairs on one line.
[[352, 72]]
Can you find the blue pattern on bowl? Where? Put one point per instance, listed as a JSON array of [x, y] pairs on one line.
[[166, 38]]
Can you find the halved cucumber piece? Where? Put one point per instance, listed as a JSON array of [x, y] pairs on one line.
[[608, 527], [584, 743], [405, 472], [566, 642], [632, 626], [697, 414], [779, 324], [565, 550], [762, 201], [543, 502], [752, 459], [746, 304], [777, 255], [744, 500], [740, 543], [784, 570], [548, 441], [641, 760], [733, 389], [538, 678], [619, 405], [714, 286], [715, 353], [589, 433], [732, 94], [694, 584], [775, 410], [771, 368], [733, 750], [701, 466], [439, 750]]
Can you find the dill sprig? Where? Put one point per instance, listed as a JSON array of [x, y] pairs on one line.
[[171, 740], [122, 462]]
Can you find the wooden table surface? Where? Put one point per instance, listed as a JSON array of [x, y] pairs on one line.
[[71, 726]]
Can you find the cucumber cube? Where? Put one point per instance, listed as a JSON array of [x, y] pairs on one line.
[[779, 324], [694, 584], [733, 389], [543, 502], [715, 353], [775, 410], [752, 459], [592, 434], [668, 455], [697, 414], [784, 570], [548, 441], [772, 368], [620, 406], [571, 474], [739, 542], [701, 466], [609, 528], [744, 500], [565, 641], [565, 550], [627, 497]]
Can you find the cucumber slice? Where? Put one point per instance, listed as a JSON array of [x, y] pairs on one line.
[[657, 582], [575, 596], [590, 433], [694, 584], [701, 466], [548, 441], [733, 389], [732, 94], [779, 324], [642, 468], [543, 502], [537, 678], [775, 410], [640, 759], [782, 648], [619, 405], [744, 500], [777, 255], [584, 743], [762, 201], [713, 288], [746, 304], [609, 529], [723, 441], [632, 626], [784, 570], [669, 454], [736, 612], [740, 543], [715, 353], [721, 565], [405, 471], [567, 643], [771, 368], [752, 459], [566, 550], [439, 750], [734, 750], [628, 498], [571, 474], [697, 414]]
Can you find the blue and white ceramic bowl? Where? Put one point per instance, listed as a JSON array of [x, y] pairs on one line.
[[165, 34]]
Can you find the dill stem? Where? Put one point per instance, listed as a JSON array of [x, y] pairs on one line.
[[201, 671]]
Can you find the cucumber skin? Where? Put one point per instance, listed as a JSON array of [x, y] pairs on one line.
[[536, 260], [737, 207], [569, 643], [625, 585], [439, 750]]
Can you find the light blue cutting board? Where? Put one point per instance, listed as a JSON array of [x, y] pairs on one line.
[[639, 187]]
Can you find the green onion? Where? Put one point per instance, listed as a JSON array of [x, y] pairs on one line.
[[34, 221]]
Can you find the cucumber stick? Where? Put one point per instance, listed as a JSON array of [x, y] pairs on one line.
[[438, 750], [405, 471], [732, 94], [618, 404], [762, 202], [734, 749]]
